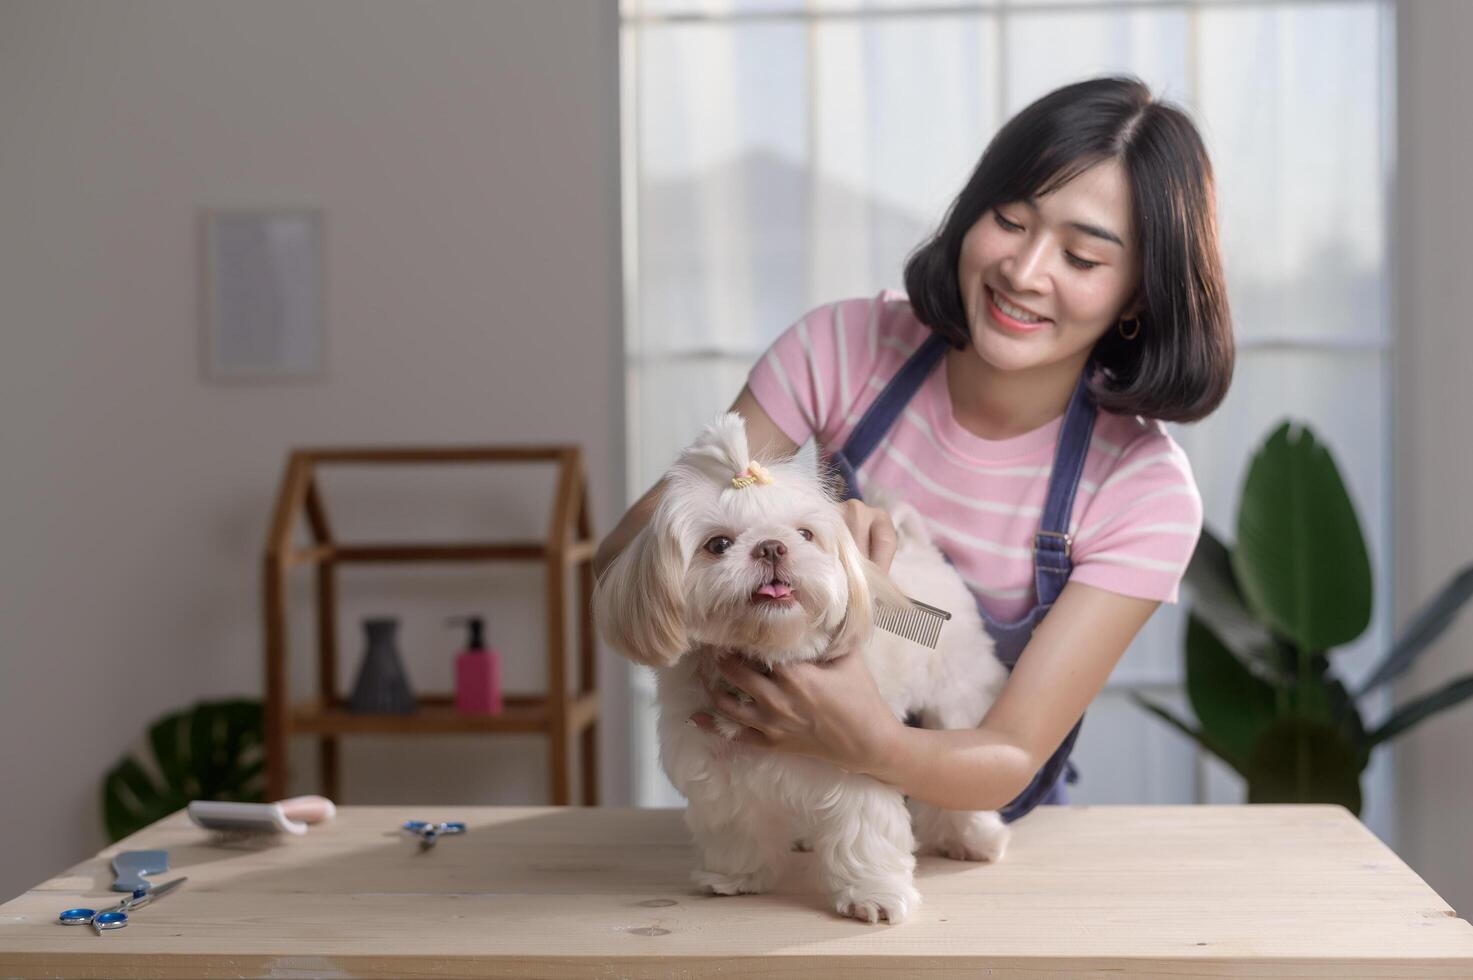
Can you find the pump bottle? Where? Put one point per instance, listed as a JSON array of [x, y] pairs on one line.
[[477, 672]]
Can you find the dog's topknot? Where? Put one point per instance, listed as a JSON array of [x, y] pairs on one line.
[[720, 452]]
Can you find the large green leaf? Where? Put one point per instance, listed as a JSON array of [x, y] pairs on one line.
[[1454, 692], [1197, 735], [131, 800], [1427, 625], [1298, 760], [213, 751], [1232, 704], [1219, 602], [1300, 557]]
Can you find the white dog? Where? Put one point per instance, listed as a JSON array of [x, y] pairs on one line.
[[739, 557]]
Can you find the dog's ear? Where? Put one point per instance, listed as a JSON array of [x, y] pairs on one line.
[[638, 603], [868, 585]]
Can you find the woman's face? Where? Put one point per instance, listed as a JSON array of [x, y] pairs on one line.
[[1043, 279]]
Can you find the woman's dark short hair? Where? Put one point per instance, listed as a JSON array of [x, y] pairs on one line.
[[1179, 366]]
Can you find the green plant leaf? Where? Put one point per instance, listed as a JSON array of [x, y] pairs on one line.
[[1233, 706], [1409, 714], [164, 736], [243, 720], [128, 797], [1321, 696], [1297, 760], [202, 733], [249, 781], [1201, 738], [1300, 557], [1217, 600], [1425, 627], [211, 751]]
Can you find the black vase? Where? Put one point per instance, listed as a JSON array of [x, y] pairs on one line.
[[382, 687]]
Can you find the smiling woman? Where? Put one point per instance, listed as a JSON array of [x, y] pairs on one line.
[[1071, 300]]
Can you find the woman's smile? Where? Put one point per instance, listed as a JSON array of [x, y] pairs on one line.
[[1010, 316]]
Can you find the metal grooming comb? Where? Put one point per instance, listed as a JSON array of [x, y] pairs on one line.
[[920, 623]]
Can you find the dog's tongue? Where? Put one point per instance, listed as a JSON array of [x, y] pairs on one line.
[[776, 590]]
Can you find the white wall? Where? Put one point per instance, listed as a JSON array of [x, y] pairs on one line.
[[1434, 405], [466, 154]]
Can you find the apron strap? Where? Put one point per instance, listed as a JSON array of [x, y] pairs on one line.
[[1052, 563], [1053, 545], [881, 415]]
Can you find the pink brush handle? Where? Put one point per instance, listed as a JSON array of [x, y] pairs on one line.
[[308, 809]]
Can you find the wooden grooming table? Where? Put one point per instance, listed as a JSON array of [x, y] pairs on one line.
[[1262, 891]]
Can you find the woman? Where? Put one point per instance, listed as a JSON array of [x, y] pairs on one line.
[[1070, 302]]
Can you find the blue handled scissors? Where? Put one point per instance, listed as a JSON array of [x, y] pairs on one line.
[[428, 832], [116, 917]]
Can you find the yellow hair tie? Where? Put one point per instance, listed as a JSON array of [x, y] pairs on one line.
[[754, 473]]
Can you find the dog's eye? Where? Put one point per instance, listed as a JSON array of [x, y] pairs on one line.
[[718, 544], [805, 534]]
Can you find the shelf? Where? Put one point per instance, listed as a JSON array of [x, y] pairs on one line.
[[367, 554], [569, 721], [437, 716]]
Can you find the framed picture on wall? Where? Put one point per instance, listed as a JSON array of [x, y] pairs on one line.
[[264, 310]]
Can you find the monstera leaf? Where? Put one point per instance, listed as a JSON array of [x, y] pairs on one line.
[[213, 751]]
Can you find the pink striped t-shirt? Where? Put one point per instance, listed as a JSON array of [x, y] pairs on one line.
[[1137, 513]]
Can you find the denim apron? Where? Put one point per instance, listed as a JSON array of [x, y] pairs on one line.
[[1051, 545]]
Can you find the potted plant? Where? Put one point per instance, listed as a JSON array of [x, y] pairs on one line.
[[1266, 617], [212, 751]]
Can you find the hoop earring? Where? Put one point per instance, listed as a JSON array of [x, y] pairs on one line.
[[1120, 328]]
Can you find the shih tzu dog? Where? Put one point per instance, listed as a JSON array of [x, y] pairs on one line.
[[756, 559]]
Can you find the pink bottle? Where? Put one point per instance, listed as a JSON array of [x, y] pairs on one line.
[[477, 674]]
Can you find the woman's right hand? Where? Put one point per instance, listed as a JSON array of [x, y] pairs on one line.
[[873, 532]]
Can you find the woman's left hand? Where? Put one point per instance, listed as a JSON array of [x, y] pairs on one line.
[[830, 711]]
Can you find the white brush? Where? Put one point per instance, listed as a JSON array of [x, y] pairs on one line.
[[285, 816]]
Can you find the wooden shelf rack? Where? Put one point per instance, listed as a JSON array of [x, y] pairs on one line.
[[560, 714]]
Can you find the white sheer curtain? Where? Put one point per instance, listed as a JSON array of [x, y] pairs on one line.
[[781, 154]]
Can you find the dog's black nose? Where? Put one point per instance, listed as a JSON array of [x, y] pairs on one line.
[[769, 550]]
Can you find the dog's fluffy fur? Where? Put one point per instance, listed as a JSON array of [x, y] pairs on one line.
[[791, 586]]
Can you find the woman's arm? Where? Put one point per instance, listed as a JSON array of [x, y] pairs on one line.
[[1062, 669], [764, 439], [833, 710]]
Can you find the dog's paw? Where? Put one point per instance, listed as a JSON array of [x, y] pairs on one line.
[[802, 844], [721, 883], [873, 902], [978, 835]]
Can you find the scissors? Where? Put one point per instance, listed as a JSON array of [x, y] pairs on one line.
[[116, 916], [428, 833]]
